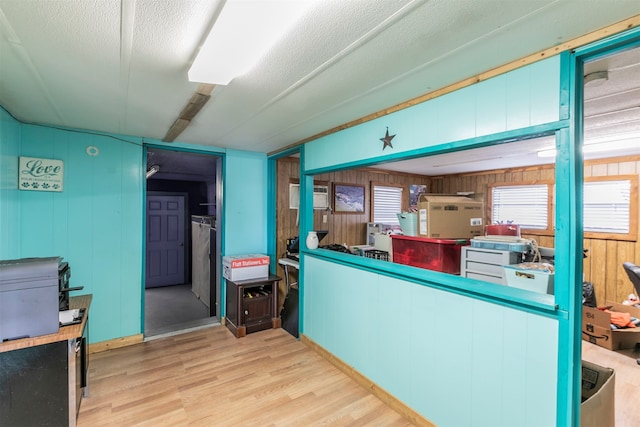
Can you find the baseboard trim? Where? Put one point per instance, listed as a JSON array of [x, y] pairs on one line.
[[365, 382], [101, 346]]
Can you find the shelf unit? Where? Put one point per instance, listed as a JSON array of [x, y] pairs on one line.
[[486, 264]]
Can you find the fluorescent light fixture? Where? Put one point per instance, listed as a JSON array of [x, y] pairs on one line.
[[596, 79], [621, 144], [486, 159], [549, 152], [242, 34], [626, 141]]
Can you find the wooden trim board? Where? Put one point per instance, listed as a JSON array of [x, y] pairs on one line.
[[115, 343]]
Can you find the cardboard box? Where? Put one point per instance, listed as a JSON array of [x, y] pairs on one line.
[[598, 396], [596, 327], [245, 267], [450, 216]]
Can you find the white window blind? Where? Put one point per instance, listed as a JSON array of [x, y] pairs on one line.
[[387, 202], [525, 205], [606, 206]]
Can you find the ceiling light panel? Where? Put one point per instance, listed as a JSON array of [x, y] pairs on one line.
[[242, 34]]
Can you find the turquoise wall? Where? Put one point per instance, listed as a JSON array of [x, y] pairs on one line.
[[526, 97], [9, 197], [439, 342], [97, 222], [245, 202], [434, 350]]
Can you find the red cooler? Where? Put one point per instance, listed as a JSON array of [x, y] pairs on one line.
[[503, 230], [433, 254]]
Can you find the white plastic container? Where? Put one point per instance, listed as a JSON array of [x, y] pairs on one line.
[[408, 223], [529, 279]]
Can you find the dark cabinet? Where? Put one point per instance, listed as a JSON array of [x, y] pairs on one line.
[[43, 379], [290, 313], [251, 305], [34, 386]]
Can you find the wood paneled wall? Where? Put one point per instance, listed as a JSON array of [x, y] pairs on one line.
[[343, 228], [603, 265]]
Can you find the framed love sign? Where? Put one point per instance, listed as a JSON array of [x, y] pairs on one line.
[[36, 174]]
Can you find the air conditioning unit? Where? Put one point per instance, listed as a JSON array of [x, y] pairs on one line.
[[320, 196]]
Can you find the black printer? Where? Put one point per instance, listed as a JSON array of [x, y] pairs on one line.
[[64, 274]]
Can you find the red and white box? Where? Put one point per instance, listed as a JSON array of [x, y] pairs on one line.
[[245, 267]]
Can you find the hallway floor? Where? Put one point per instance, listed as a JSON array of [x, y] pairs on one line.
[[173, 308]]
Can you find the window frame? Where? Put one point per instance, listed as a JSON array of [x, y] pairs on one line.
[[550, 230], [631, 236]]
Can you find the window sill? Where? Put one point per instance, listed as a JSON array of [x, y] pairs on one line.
[[503, 295]]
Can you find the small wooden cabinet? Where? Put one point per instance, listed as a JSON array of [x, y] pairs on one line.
[[252, 305]]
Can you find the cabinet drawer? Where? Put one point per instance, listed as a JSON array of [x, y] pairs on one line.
[[491, 256], [486, 277], [480, 267]]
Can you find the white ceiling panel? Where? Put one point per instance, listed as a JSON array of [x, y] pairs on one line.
[[121, 66]]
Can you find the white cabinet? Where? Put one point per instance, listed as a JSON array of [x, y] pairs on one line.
[[203, 257], [486, 264]]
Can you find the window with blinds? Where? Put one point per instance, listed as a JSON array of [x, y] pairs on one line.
[[607, 206], [387, 202], [525, 205]]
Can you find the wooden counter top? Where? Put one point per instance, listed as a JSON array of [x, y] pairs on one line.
[[63, 334]]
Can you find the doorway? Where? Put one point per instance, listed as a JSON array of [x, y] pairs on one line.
[[183, 189], [611, 123]]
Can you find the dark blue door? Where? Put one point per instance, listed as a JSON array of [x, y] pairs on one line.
[[165, 241]]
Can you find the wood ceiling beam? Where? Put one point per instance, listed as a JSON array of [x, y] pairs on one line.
[[200, 97]]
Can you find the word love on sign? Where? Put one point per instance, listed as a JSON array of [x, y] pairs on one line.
[[40, 174]]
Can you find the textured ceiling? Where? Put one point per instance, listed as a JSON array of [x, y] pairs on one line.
[[611, 112], [121, 66]]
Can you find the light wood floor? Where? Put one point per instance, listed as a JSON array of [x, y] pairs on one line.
[[268, 378], [210, 378], [627, 371]]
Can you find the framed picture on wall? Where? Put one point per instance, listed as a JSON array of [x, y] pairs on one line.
[[415, 190], [348, 198]]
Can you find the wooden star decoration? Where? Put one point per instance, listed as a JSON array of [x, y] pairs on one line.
[[387, 140]]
